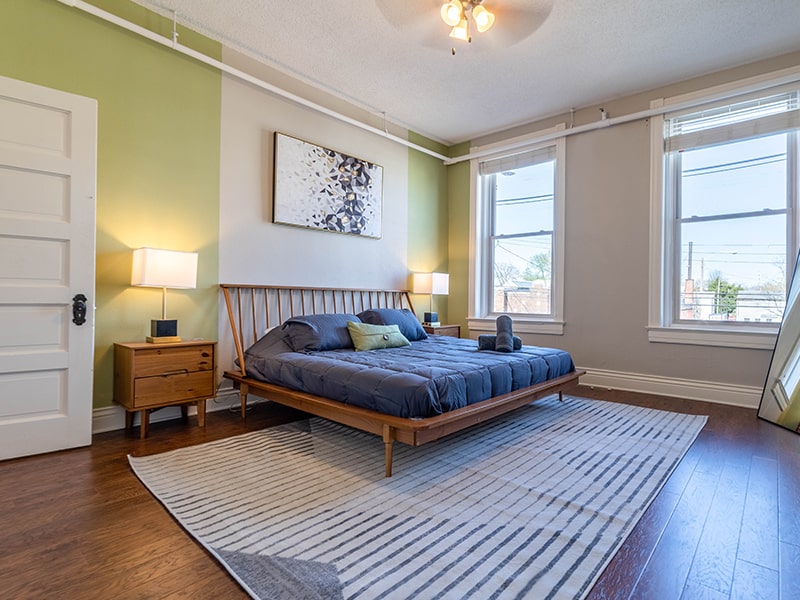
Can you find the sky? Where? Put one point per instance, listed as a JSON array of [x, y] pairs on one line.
[[747, 176], [525, 205]]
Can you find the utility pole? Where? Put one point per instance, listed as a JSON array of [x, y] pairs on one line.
[[690, 260], [702, 272]]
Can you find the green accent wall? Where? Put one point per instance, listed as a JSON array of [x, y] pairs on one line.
[[427, 220], [438, 226], [157, 155], [458, 207]]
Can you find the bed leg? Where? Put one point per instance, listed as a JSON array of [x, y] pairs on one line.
[[560, 396], [388, 440], [243, 399]]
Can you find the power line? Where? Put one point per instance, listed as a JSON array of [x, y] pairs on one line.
[[514, 254], [525, 199], [733, 166], [736, 245]]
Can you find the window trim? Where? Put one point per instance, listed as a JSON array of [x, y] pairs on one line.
[[480, 319], [661, 326]]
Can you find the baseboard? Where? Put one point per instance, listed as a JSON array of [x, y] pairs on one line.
[[111, 418], [708, 391]]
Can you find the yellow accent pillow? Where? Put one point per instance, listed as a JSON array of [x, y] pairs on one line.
[[374, 337]]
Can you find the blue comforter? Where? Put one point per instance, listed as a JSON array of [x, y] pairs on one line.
[[427, 378]]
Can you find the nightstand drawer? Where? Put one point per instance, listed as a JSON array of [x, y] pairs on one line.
[[165, 361], [448, 330], [152, 391]]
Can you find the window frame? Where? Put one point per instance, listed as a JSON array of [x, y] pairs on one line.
[[664, 324], [480, 318]]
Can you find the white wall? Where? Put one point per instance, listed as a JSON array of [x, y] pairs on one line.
[[254, 250]]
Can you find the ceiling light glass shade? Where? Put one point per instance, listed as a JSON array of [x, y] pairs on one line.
[[461, 31], [452, 12], [483, 18]]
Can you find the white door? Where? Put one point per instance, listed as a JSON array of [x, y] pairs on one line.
[[48, 145]]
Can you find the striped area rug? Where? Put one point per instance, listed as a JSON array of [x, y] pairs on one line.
[[530, 505]]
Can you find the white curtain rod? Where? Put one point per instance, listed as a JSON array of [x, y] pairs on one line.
[[784, 76], [173, 43], [721, 92]]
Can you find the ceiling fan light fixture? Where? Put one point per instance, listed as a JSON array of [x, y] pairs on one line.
[[483, 18], [452, 13], [461, 31], [456, 14]]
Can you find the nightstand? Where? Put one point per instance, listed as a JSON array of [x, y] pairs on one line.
[[450, 330], [151, 376]]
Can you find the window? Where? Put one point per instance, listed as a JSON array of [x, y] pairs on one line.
[[729, 220], [520, 239]]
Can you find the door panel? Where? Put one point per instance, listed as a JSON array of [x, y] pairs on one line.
[[39, 261], [43, 326], [38, 394], [34, 128], [38, 195]]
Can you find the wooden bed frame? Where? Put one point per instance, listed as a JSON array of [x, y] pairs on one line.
[[252, 309]]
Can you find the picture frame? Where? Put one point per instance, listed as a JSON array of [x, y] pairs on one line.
[[326, 190]]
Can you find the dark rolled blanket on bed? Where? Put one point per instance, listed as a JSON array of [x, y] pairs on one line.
[[488, 342], [504, 341], [505, 335]]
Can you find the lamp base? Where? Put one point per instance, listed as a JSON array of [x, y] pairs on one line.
[[163, 331], [429, 318]]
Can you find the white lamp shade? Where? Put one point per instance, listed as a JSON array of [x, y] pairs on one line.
[[430, 283], [153, 267], [422, 283], [440, 283]]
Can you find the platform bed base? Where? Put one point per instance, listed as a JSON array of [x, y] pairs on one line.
[[413, 432]]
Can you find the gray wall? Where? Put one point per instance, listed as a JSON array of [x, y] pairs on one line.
[[607, 268], [607, 258]]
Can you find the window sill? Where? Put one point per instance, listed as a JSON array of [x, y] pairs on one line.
[[521, 325], [759, 340]]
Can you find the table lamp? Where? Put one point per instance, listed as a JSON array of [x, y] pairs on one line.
[[154, 267], [430, 283]]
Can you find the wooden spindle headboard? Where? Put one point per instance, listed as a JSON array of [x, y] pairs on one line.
[[254, 309]]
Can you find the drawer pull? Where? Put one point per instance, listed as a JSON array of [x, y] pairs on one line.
[[175, 372]]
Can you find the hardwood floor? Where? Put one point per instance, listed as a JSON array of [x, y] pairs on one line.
[[78, 524]]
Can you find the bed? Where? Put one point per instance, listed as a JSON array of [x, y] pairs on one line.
[[443, 384]]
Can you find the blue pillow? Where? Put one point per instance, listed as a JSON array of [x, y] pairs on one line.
[[319, 332], [405, 320]]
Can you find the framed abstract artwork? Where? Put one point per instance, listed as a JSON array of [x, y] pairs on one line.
[[320, 188]]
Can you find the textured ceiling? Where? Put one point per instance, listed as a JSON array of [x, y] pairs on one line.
[[541, 58]]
